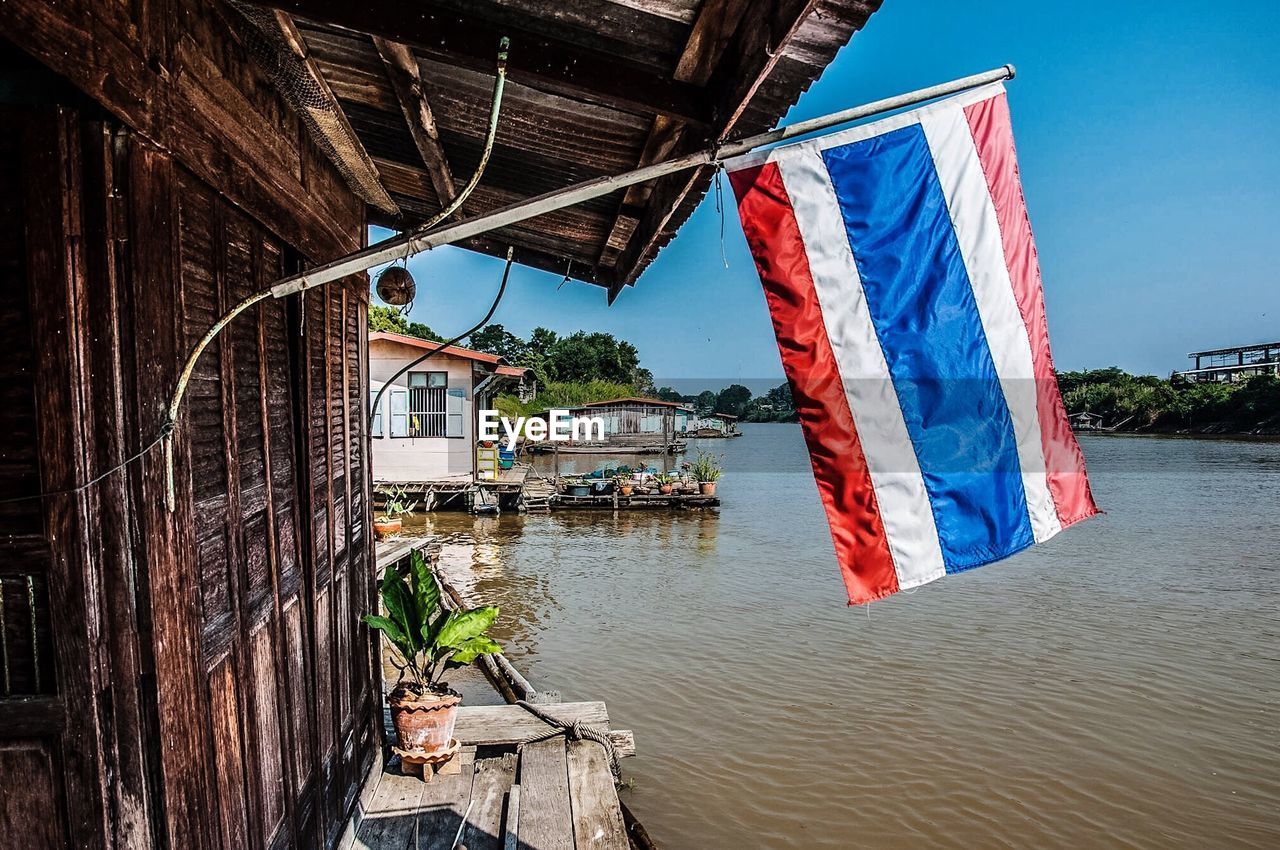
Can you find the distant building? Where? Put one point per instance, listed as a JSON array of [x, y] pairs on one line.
[[716, 425], [1085, 421], [425, 426], [1227, 365], [640, 416]]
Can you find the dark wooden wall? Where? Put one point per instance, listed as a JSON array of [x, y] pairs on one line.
[[198, 679]]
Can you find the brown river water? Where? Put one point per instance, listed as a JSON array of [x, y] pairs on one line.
[[1118, 686]]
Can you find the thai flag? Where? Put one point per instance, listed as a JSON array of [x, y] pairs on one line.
[[902, 279]]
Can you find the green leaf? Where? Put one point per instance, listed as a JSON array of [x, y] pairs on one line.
[[464, 625], [382, 624], [399, 604], [470, 649], [426, 591]]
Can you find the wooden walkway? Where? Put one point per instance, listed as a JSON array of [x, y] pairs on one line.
[[499, 794]]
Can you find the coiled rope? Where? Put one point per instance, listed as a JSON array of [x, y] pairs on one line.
[[576, 730]]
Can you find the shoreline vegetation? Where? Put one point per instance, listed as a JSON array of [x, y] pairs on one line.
[[584, 367]]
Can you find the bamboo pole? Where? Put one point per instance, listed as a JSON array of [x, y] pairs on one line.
[[425, 238]]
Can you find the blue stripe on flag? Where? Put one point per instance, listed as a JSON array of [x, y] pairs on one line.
[[925, 316]]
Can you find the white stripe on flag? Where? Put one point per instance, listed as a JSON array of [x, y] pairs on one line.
[[977, 229], [891, 460]]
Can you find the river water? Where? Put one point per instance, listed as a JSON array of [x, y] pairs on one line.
[[1118, 686]]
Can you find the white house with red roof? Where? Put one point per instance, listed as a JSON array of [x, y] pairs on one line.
[[424, 429]]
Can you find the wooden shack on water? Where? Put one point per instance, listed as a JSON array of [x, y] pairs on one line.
[[202, 679]]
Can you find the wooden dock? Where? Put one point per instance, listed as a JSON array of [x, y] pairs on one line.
[[500, 793], [617, 502], [515, 785]]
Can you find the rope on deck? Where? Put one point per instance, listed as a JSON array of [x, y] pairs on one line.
[[576, 730]]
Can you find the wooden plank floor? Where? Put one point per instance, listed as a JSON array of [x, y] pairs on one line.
[[556, 794]]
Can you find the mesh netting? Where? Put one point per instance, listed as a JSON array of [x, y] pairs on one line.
[[274, 53]]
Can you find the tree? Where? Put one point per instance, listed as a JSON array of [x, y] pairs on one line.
[[586, 356], [391, 320], [495, 339], [706, 401], [387, 320], [733, 400], [421, 331], [668, 394]]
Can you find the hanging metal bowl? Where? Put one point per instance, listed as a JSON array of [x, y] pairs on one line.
[[396, 286]]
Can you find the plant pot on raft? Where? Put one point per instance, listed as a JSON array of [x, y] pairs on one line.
[[385, 526], [664, 489], [707, 488], [626, 489], [424, 722]]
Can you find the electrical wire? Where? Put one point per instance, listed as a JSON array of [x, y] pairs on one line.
[[493, 308], [141, 453]]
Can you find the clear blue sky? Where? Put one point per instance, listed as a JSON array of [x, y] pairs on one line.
[[1149, 138]]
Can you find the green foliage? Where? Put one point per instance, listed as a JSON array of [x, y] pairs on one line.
[[584, 357], [706, 467], [495, 339], [733, 400], [668, 394], [391, 320], [565, 395], [1146, 402], [429, 639], [396, 503], [387, 320]]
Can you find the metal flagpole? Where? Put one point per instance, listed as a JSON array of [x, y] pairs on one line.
[[424, 238]]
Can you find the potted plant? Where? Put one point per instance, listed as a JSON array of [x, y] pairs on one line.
[[625, 484], [664, 483], [395, 507], [706, 471], [429, 641]]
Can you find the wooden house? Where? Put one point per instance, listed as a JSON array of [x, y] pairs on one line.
[[202, 679], [424, 428]]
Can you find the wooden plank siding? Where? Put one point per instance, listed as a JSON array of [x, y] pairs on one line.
[[199, 679]]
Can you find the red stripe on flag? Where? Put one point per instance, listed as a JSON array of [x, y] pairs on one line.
[[839, 465], [992, 130]]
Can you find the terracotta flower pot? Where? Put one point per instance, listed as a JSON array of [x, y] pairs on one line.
[[383, 527], [626, 489], [664, 489], [424, 723], [707, 488]]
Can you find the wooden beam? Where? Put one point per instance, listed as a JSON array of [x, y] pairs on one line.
[[717, 20], [406, 79], [750, 57], [538, 61], [272, 38], [710, 34]]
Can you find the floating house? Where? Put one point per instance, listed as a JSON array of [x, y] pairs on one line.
[[425, 424], [201, 678], [716, 425], [631, 425]]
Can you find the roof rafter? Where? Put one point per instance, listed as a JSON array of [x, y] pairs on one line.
[[551, 65], [750, 56], [406, 80], [712, 29]]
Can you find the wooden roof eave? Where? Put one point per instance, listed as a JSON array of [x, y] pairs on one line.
[[737, 67]]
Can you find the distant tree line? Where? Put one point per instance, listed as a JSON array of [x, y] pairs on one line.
[[586, 366], [1147, 403]]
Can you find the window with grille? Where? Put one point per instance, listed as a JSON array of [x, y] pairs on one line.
[[428, 404]]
